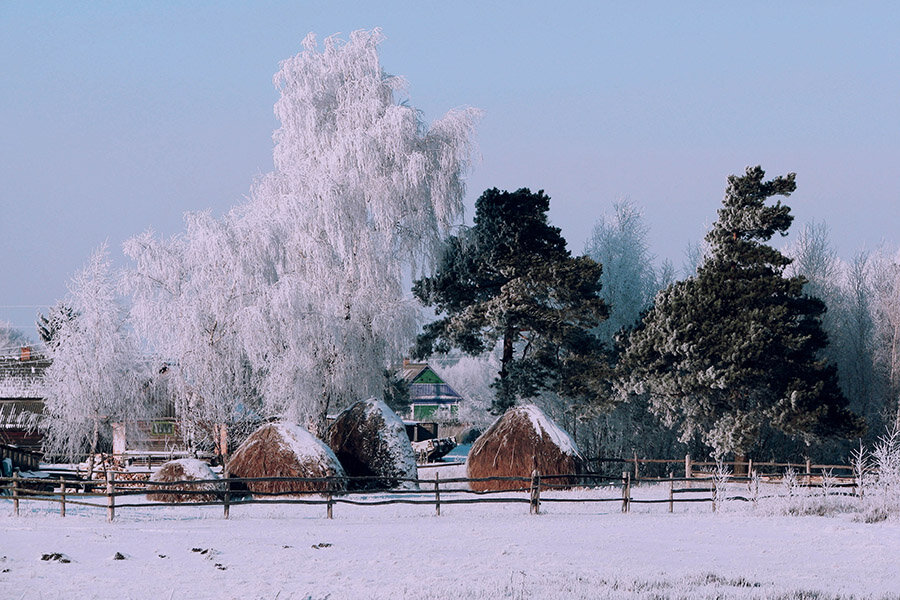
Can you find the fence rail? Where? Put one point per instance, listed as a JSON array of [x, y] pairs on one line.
[[694, 468], [113, 494]]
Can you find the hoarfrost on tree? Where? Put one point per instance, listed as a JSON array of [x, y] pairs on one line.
[[95, 372], [187, 298], [11, 339], [300, 288], [629, 280]]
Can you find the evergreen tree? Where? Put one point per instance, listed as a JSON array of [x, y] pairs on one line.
[[510, 279], [48, 325], [734, 350]]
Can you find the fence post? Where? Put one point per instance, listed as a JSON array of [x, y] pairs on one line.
[[755, 483], [15, 492], [626, 490], [227, 498], [110, 497], [671, 494], [687, 466], [535, 507], [329, 513], [437, 494], [62, 496]]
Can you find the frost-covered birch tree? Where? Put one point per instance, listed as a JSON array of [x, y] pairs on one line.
[[187, 298], [94, 376], [886, 309], [362, 192], [814, 259], [472, 377], [629, 280], [300, 289], [11, 339], [856, 347]]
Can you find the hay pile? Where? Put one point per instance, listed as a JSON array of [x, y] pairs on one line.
[[370, 441], [186, 469], [520, 441], [285, 450]]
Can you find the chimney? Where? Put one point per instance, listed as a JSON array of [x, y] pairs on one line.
[[25, 353]]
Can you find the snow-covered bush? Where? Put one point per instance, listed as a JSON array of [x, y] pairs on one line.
[[880, 485], [721, 477]]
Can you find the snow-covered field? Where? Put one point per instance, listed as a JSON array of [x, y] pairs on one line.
[[569, 551]]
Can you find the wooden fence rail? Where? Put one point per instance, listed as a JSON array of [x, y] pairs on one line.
[[231, 491], [695, 468]]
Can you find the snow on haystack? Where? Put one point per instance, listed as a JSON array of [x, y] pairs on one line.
[[285, 450], [370, 441], [186, 469], [520, 441]]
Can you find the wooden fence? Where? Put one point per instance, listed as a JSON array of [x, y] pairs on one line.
[[694, 468], [112, 494]]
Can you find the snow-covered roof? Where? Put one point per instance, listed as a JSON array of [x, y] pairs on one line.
[[22, 378]]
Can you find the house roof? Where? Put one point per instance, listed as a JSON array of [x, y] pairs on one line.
[[412, 370], [420, 373], [426, 386], [22, 379], [17, 414]]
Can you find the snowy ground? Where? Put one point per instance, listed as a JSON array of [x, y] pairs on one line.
[[570, 551]]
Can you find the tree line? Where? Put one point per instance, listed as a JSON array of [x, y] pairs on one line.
[[295, 303], [733, 358]]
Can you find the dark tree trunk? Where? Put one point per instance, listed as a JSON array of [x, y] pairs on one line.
[[505, 397]]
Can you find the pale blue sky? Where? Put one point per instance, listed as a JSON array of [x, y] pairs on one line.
[[116, 117]]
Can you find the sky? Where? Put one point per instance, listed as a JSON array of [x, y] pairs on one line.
[[116, 117]]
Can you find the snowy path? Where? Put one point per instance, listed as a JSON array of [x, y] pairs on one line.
[[469, 552]]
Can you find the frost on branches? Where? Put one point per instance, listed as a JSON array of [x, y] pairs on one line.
[[187, 302], [297, 294], [732, 353], [94, 377]]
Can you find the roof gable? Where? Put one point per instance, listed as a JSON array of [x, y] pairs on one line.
[[427, 375]]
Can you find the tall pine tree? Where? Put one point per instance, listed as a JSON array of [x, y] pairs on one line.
[[510, 279], [734, 351]]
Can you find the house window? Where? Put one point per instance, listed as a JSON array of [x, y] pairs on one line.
[[162, 428]]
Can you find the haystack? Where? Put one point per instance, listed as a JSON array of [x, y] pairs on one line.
[[186, 469], [370, 441], [520, 441], [286, 450]]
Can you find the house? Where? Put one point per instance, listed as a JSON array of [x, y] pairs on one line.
[[428, 393], [21, 398]]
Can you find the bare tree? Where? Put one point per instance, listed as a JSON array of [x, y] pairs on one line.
[[11, 340], [886, 308], [629, 280]]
